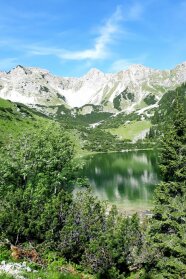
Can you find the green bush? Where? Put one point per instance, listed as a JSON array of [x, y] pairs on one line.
[[36, 178], [6, 276], [4, 253]]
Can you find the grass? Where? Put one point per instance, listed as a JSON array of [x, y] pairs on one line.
[[42, 275], [6, 276], [75, 137], [140, 105], [16, 119], [5, 103], [131, 130], [50, 275]]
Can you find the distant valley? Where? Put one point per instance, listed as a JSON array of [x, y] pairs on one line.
[[125, 105]]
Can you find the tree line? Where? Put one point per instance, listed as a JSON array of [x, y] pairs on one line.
[[38, 205]]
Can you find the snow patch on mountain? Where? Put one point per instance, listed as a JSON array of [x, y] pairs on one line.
[[33, 86]]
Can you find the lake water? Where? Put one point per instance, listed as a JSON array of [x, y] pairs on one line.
[[126, 179]]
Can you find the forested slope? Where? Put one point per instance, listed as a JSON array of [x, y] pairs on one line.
[[39, 213]]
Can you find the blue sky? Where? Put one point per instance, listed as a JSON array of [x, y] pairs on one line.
[[68, 37]]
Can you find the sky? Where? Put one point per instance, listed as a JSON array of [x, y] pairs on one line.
[[69, 37]]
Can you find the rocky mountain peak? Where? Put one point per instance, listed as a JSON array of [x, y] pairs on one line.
[[20, 70], [181, 66], [94, 73], [137, 67], [34, 86], [17, 70]]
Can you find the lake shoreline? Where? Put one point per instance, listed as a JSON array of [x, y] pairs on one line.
[[142, 213], [80, 155]]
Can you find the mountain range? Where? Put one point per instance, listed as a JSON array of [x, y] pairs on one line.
[[138, 88]]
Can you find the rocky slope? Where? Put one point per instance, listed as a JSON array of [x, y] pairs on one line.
[[136, 88], [15, 269]]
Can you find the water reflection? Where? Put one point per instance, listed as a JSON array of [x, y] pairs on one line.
[[128, 178]]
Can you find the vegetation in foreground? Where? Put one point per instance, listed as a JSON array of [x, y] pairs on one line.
[[40, 215]]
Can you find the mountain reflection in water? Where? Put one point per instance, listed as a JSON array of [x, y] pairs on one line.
[[123, 178]]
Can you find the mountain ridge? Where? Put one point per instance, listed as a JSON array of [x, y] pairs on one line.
[[124, 91]]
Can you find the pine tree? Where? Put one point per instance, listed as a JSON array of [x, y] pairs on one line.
[[167, 233], [173, 154]]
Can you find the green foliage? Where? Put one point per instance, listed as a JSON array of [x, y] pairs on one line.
[[103, 243], [173, 155], [102, 141], [4, 253], [131, 130], [124, 95], [150, 100], [167, 231], [35, 173], [117, 101], [6, 276], [50, 275], [99, 140], [113, 253], [37, 177], [163, 114], [167, 238], [93, 117], [16, 119], [77, 119], [153, 134], [85, 220], [119, 119]]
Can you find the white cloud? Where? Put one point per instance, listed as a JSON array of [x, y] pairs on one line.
[[98, 51], [101, 49], [107, 35]]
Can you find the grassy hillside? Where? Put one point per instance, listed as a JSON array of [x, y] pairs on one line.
[[15, 119], [130, 130]]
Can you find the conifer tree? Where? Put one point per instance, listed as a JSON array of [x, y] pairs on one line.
[[173, 154], [167, 233]]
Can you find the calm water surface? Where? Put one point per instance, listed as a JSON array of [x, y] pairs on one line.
[[126, 179]]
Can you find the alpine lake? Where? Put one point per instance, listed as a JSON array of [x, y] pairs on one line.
[[126, 179]]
